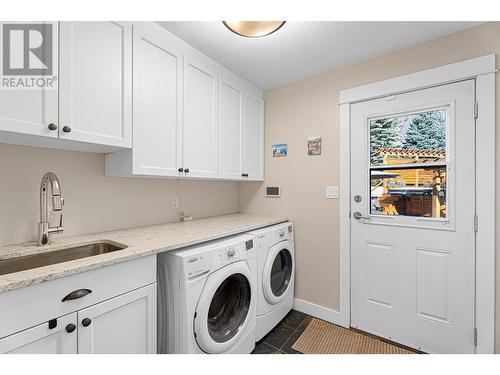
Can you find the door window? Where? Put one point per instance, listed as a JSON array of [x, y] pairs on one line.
[[408, 164], [229, 308], [281, 272]]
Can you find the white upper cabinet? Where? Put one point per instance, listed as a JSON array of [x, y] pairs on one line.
[[193, 118], [95, 81], [229, 130], [199, 130], [157, 103], [29, 111], [253, 138]]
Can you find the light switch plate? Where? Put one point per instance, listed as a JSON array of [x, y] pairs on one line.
[[332, 192]]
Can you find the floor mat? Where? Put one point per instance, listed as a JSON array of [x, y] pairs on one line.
[[321, 337]]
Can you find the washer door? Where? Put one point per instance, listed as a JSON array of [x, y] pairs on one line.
[[278, 272], [224, 308]]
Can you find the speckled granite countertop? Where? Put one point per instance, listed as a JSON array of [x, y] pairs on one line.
[[141, 241]]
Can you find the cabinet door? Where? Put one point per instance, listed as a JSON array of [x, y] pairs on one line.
[[157, 102], [30, 111], [44, 340], [95, 82], [229, 130], [253, 138], [124, 324], [199, 120]]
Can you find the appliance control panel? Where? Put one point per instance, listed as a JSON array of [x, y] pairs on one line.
[[197, 265]]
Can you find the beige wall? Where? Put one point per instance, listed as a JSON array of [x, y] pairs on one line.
[[310, 107], [94, 202]]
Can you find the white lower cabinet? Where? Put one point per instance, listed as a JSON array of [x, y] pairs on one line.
[[125, 324], [44, 339], [108, 310]]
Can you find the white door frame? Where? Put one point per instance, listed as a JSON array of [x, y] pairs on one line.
[[482, 69]]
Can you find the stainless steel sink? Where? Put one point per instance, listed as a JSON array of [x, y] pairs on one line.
[[29, 262]]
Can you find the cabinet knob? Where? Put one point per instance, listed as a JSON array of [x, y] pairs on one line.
[[52, 126], [244, 174], [66, 128], [181, 170], [70, 327], [86, 322], [186, 170]]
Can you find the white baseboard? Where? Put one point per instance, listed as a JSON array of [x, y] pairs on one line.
[[319, 312]]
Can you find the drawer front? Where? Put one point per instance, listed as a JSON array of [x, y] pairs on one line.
[[27, 307]]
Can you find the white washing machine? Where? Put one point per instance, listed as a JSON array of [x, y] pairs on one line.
[[207, 297], [275, 277]]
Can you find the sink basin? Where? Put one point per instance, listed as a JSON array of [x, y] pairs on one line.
[[29, 262]]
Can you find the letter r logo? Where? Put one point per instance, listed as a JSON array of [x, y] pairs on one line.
[[27, 49]]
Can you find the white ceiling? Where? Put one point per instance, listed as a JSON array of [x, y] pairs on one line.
[[303, 49]]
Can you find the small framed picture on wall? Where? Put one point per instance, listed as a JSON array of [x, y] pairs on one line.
[[280, 150], [314, 145]]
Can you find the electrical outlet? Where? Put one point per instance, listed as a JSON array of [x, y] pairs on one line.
[[175, 202]]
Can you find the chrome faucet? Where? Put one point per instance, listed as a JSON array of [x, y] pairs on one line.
[[44, 228]]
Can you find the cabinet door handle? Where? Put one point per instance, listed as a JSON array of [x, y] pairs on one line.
[[186, 170], [70, 327], [86, 322], [52, 126], [79, 293], [181, 170], [66, 128]]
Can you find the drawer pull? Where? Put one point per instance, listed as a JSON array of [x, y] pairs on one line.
[[79, 293]]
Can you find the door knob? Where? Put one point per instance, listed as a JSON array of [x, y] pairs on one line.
[[66, 128], [358, 216], [70, 328], [86, 322], [52, 126]]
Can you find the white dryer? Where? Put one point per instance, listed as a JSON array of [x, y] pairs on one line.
[[207, 297], [276, 275]]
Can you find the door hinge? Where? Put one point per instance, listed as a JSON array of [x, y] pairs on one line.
[[475, 336], [476, 219], [476, 110]]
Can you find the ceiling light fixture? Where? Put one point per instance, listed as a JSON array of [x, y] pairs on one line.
[[253, 29]]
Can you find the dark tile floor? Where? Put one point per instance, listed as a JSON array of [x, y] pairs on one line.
[[288, 331], [284, 335]]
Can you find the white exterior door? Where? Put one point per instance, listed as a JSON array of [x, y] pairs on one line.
[[199, 130], [95, 82], [157, 103], [121, 325], [412, 218], [41, 339], [253, 138], [230, 107]]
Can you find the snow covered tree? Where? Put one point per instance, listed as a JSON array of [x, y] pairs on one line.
[[426, 132], [382, 134]]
